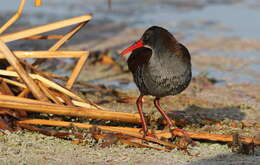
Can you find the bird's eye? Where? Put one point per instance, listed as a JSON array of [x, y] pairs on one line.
[[145, 38]]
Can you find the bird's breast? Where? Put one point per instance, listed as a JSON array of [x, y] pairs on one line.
[[161, 79]]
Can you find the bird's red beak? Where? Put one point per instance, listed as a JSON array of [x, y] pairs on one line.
[[136, 45]]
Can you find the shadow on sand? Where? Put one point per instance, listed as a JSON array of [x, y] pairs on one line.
[[198, 115], [231, 159]]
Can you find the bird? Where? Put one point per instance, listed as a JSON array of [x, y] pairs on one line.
[[161, 66]]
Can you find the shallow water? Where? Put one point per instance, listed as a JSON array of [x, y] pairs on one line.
[[211, 20], [202, 18]]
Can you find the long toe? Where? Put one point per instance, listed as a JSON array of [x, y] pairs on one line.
[[146, 133], [185, 135]]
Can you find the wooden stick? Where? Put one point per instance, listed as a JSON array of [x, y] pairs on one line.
[[143, 145], [46, 37], [14, 18], [46, 82], [105, 128], [159, 134], [48, 54], [58, 87], [24, 93], [48, 93], [7, 91], [4, 88], [11, 58], [77, 102], [63, 98], [13, 82], [98, 87], [59, 43], [8, 112], [86, 105], [53, 75], [60, 97], [75, 73], [129, 141], [44, 107], [79, 125], [66, 37], [44, 28], [210, 137], [62, 135]]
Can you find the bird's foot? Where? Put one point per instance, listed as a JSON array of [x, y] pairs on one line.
[[147, 133], [185, 139], [175, 131]]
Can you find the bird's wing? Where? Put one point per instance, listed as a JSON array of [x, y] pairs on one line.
[[139, 57]]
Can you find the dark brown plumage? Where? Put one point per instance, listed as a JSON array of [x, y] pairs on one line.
[[161, 66]]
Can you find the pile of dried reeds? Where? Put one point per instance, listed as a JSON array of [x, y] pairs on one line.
[[25, 89]]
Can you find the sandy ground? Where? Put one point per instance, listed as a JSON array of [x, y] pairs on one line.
[[31, 148], [235, 65]]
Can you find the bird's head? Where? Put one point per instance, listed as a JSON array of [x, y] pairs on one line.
[[150, 39]]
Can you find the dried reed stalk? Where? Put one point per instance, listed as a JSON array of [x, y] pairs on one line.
[[210, 137], [121, 130], [159, 134], [63, 98], [44, 107], [15, 83], [81, 61], [61, 41], [46, 37], [4, 88], [70, 34], [14, 18], [46, 82], [119, 137], [44, 28], [126, 140], [48, 54], [76, 71], [13, 60], [53, 85], [48, 93], [24, 93], [62, 135]]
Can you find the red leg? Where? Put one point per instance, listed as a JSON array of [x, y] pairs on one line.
[[165, 116], [139, 103], [168, 120]]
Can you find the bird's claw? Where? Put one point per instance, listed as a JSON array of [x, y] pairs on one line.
[[185, 135], [147, 133]]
